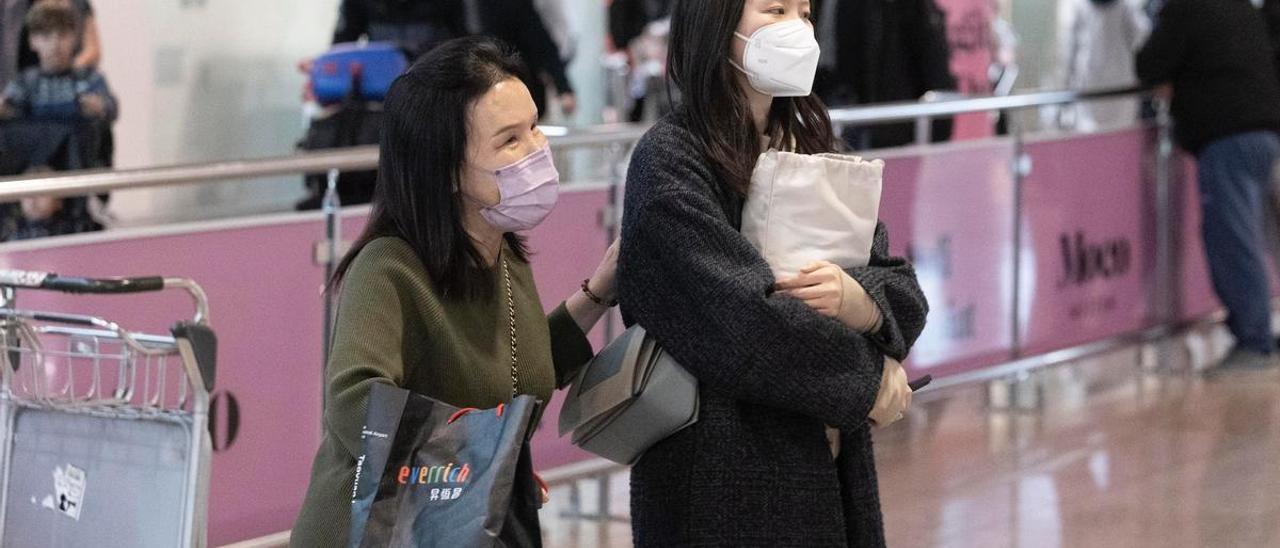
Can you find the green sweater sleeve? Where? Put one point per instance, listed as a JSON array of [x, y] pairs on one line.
[[368, 341], [570, 349]]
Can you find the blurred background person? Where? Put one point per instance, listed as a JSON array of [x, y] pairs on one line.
[[414, 25], [88, 55], [518, 23], [1097, 43], [882, 52], [94, 145], [419, 25], [63, 109], [1004, 62], [1214, 57], [640, 29], [562, 33]]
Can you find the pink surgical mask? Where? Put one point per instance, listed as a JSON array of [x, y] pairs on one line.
[[529, 190]]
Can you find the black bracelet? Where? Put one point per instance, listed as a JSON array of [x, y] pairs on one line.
[[594, 298]]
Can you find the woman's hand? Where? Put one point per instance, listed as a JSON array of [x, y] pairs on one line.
[[826, 288], [894, 397], [309, 87], [604, 283]]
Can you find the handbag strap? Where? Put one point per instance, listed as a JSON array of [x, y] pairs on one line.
[[511, 315]]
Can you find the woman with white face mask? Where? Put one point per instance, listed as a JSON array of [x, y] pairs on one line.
[[776, 360], [437, 296]]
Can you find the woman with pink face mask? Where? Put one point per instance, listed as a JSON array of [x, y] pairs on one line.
[[776, 360], [437, 296]]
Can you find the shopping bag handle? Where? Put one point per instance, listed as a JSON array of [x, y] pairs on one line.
[[459, 413], [502, 407], [544, 490]]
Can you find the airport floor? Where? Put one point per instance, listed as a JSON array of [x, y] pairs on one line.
[[1132, 448]]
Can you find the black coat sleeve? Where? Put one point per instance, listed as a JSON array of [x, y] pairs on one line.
[[891, 283], [1163, 55], [570, 348], [535, 43], [626, 22], [353, 21], [930, 50], [1271, 12], [693, 281]]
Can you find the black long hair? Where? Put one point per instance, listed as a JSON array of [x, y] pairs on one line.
[[716, 105], [422, 154]]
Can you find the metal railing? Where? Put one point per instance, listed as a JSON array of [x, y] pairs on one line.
[[366, 157]]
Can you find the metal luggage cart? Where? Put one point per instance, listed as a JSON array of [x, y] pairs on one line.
[[104, 435]]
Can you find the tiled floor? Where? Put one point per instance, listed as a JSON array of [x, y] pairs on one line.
[[1102, 453]]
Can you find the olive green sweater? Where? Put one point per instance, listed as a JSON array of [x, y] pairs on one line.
[[394, 327]]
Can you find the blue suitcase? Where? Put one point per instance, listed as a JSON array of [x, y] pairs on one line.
[[378, 64]]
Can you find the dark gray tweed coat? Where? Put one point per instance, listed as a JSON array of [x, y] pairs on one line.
[[755, 470]]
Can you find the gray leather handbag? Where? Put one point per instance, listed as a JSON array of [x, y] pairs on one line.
[[631, 396]]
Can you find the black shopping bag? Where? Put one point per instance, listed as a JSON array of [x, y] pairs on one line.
[[436, 475]]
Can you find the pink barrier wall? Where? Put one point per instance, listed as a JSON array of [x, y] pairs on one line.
[[951, 211], [1089, 243], [950, 208], [1088, 257], [1196, 297]]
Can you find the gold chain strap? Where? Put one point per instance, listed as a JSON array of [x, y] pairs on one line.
[[511, 314]]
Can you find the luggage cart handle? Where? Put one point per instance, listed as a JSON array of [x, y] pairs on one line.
[[54, 282], [106, 286]]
